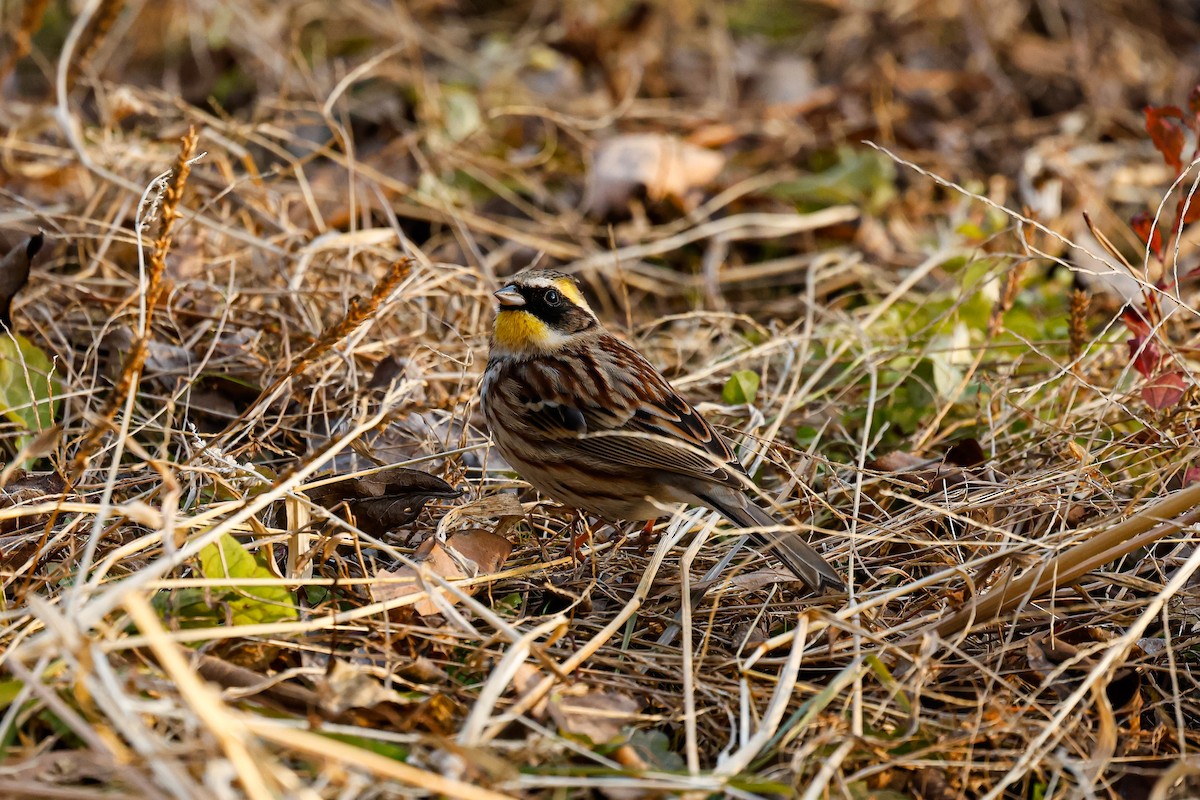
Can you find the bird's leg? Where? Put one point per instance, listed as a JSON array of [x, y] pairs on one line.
[[648, 538], [579, 533], [541, 543]]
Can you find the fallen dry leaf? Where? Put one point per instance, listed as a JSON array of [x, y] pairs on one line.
[[467, 554], [19, 488], [746, 582], [14, 272], [527, 678], [386, 500], [665, 166], [596, 714], [503, 507], [345, 686], [484, 551]]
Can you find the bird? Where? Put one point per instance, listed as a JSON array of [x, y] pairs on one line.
[[586, 420]]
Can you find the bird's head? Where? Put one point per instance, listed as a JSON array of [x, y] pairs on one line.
[[541, 311]]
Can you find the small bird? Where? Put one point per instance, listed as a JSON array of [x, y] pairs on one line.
[[586, 420]]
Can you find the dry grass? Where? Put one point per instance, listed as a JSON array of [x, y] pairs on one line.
[[1020, 624]]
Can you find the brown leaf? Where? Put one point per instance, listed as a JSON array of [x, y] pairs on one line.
[[25, 488], [285, 695], [41, 445], [1043, 654], [1046, 653], [466, 554], [665, 166], [162, 358], [966, 452], [14, 272], [1166, 133], [898, 461], [526, 680], [1165, 390], [921, 475], [345, 686], [746, 582], [22, 488], [386, 500], [486, 551], [1145, 353], [1189, 211], [1143, 225], [929, 783], [504, 507], [219, 398], [387, 371], [599, 715]]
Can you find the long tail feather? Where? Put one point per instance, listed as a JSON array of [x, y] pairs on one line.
[[787, 546]]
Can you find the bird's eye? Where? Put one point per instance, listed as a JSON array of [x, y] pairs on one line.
[[553, 298]]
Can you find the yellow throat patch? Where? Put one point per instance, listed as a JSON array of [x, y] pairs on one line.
[[519, 331]]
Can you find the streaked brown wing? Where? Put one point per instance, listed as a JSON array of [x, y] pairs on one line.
[[631, 415], [556, 420]]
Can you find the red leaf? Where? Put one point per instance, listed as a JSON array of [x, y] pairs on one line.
[[1192, 214], [1165, 390], [1191, 475], [1145, 354], [1135, 321], [1143, 223], [1166, 133]]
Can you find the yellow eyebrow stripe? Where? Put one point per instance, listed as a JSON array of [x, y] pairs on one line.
[[571, 291]]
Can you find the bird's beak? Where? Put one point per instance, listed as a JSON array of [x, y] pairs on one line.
[[509, 297]]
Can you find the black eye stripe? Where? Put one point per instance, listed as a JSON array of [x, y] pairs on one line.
[[556, 308]]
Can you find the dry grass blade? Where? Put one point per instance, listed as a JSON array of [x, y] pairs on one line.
[[358, 313], [1166, 517], [205, 702], [32, 14], [942, 395], [170, 196], [99, 23], [348, 756]]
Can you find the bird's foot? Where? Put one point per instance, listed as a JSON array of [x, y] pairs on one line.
[[649, 537], [579, 534]]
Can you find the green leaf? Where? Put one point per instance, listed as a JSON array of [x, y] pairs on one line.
[[239, 605], [315, 595], [396, 752], [226, 558], [741, 388], [858, 176], [28, 388], [772, 19], [889, 682], [9, 690], [807, 436], [947, 376], [460, 113], [861, 790], [655, 748], [189, 608], [510, 604]]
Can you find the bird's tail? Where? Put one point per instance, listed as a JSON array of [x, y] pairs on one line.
[[787, 546]]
